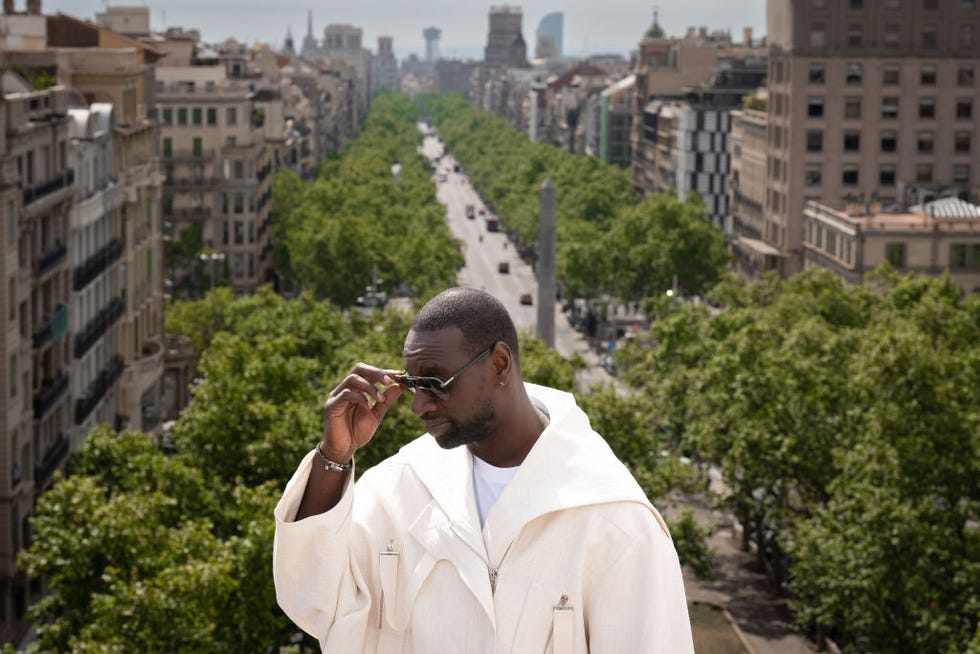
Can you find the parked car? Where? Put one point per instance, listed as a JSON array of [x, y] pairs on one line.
[[503, 267], [526, 298]]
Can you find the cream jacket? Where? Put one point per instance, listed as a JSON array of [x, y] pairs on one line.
[[573, 558]]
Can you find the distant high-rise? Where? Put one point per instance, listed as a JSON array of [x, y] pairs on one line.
[[431, 35], [506, 47], [548, 45], [287, 45], [309, 41]]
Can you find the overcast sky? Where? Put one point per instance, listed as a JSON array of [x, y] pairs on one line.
[[591, 26]]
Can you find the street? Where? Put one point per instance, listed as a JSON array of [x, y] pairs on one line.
[[484, 251]]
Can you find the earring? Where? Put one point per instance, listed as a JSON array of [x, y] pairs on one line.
[[500, 383]]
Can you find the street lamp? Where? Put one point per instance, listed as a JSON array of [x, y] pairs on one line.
[[210, 258]]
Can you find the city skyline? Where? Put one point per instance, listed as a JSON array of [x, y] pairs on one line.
[[590, 28]]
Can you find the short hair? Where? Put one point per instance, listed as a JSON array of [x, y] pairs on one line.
[[478, 314]]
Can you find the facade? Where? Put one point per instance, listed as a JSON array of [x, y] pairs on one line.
[[549, 36], [343, 43], [431, 35], [505, 40], [37, 190], [871, 102], [747, 189], [384, 68], [927, 239], [616, 121]]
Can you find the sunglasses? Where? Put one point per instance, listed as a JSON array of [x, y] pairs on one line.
[[434, 385]]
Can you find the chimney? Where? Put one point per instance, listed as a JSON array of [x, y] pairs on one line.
[[8, 7], [747, 35], [34, 7]]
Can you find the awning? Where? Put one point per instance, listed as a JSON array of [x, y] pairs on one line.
[[760, 247]]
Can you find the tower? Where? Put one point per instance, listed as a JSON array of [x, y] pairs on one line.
[[431, 35]]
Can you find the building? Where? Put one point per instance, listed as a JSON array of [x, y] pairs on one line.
[[36, 189], [927, 239], [431, 35], [615, 121], [219, 141], [310, 47], [505, 47], [866, 101], [384, 68], [548, 44], [343, 43], [748, 152]]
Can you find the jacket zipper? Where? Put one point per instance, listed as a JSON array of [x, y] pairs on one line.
[[491, 571]]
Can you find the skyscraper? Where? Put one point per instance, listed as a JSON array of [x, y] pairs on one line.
[[548, 44], [506, 47]]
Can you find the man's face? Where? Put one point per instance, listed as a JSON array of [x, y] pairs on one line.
[[467, 414]]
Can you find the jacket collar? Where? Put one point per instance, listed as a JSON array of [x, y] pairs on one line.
[[569, 466]]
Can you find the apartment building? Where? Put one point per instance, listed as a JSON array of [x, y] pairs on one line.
[[927, 239], [36, 190], [384, 68], [216, 164], [872, 101]]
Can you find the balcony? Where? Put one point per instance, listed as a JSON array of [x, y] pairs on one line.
[[51, 391], [190, 182], [35, 193], [189, 155], [98, 326], [188, 214], [99, 388], [53, 459], [52, 329], [96, 264], [50, 259]]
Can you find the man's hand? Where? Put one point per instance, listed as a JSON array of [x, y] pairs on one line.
[[354, 410]]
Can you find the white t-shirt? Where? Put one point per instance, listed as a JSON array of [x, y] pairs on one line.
[[488, 483]]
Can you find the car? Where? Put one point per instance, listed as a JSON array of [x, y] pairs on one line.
[[503, 267], [526, 298]]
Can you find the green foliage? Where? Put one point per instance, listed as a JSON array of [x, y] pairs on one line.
[[605, 244], [846, 421], [357, 215]]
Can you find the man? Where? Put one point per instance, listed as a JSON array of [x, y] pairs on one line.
[[509, 527]]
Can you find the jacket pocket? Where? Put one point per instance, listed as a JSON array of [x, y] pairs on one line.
[[400, 580], [548, 622]]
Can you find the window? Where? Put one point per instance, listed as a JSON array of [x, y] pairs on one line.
[[849, 175], [886, 175], [893, 36], [853, 74], [889, 108], [964, 108], [814, 106], [852, 107], [818, 36], [224, 232], [930, 4], [197, 116], [197, 146], [852, 141], [930, 37], [814, 140], [231, 116], [893, 4], [11, 227], [968, 35], [181, 115], [890, 74], [923, 172], [168, 116], [13, 375], [168, 146], [964, 76], [927, 107], [923, 142], [854, 36], [889, 141], [957, 255], [895, 254], [968, 4], [239, 232], [12, 299], [818, 74], [927, 75], [961, 174], [813, 176], [819, 4], [961, 142], [238, 168], [212, 114], [238, 265], [239, 203], [856, 4]]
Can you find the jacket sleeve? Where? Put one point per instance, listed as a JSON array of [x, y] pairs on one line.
[[637, 603], [319, 584]]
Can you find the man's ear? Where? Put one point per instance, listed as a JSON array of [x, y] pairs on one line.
[[503, 361]]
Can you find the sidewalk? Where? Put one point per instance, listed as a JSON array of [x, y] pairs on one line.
[[762, 617]]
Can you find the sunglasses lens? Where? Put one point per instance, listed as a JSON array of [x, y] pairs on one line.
[[430, 385]]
